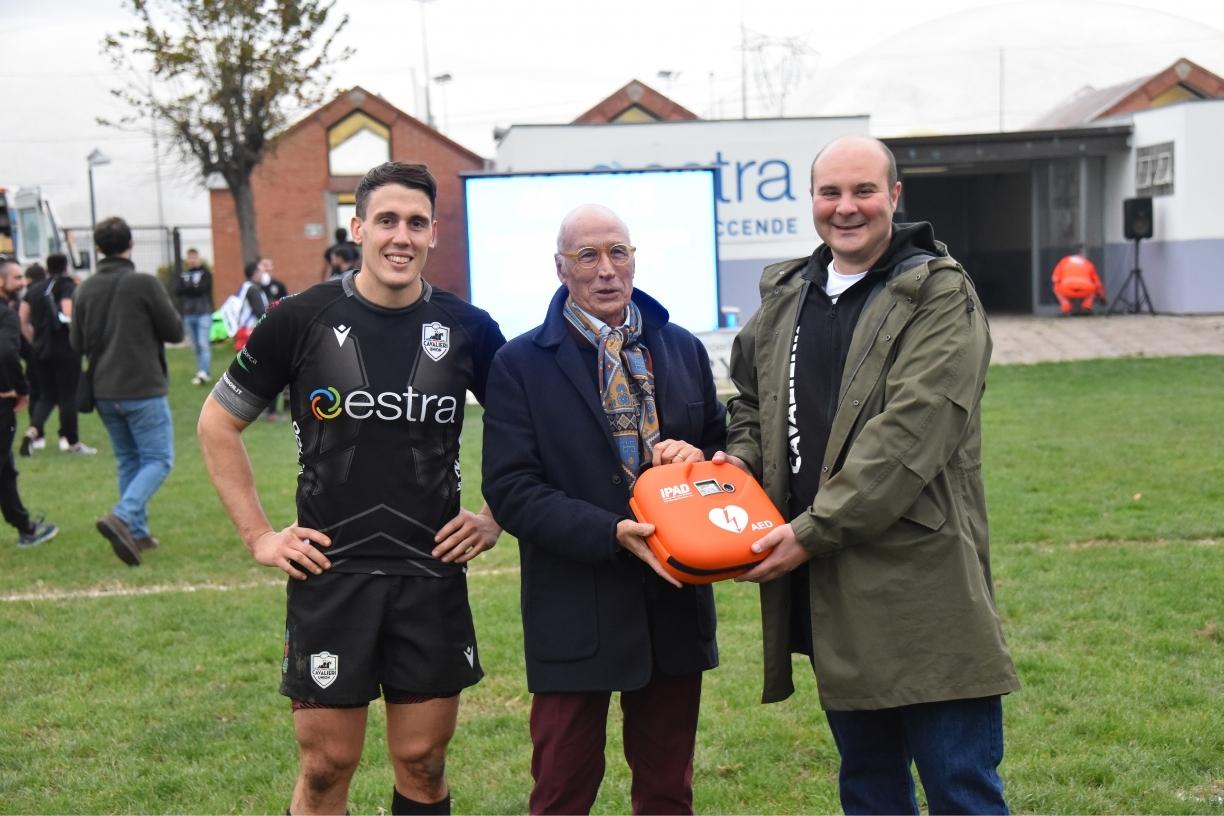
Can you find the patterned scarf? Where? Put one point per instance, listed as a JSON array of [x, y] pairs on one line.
[[626, 385]]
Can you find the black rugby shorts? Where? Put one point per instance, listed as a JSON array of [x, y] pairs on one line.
[[347, 635]]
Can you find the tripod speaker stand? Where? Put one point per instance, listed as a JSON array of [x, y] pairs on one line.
[[1132, 297]]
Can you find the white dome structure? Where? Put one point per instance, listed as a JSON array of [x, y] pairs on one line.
[[943, 76]]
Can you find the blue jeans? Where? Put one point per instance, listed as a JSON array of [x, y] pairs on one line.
[[198, 327], [143, 438], [957, 746]]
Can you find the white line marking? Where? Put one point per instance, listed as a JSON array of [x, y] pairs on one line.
[[119, 591]]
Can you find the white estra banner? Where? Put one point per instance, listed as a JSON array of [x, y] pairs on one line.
[[762, 181]]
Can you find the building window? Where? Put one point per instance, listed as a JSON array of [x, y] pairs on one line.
[[1154, 170], [356, 143], [346, 208]]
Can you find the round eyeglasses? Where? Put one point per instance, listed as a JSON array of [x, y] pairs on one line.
[[588, 256]]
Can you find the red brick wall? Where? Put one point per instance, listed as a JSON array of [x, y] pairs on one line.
[[227, 247], [643, 96], [290, 187]]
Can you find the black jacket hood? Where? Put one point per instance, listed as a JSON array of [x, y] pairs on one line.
[[907, 241]]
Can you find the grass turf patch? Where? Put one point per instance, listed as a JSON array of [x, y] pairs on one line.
[[1111, 604]]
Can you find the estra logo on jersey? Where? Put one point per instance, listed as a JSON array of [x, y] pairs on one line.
[[409, 405]]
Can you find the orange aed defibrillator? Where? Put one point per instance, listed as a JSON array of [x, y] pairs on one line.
[[706, 517]]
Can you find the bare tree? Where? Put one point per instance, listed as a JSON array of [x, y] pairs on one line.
[[227, 74]]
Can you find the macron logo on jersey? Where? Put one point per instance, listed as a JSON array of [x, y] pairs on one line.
[[410, 405], [342, 333]]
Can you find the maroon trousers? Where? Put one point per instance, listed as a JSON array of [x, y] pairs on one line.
[[660, 733]]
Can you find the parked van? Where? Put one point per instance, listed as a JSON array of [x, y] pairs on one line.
[[29, 229]]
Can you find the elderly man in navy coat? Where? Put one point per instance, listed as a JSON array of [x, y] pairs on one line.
[[577, 408]]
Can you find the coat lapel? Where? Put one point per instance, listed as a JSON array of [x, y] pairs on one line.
[[658, 368], [573, 366]]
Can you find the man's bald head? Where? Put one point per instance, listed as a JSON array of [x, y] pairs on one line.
[[604, 288], [584, 213], [854, 197], [858, 141]]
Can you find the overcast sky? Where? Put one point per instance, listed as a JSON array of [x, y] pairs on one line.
[[931, 66]]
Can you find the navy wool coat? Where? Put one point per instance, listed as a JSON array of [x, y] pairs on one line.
[[595, 618]]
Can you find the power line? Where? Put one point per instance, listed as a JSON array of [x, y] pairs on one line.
[[72, 139], [55, 74]]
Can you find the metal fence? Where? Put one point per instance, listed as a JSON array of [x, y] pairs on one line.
[[154, 249]]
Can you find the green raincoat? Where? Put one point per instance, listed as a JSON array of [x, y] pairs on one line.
[[902, 602]]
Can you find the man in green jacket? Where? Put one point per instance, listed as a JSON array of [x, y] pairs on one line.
[[860, 381], [120, 321]]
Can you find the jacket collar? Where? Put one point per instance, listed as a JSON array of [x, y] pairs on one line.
[[553, 330], [108, 266], [907, 240], [348, 284]]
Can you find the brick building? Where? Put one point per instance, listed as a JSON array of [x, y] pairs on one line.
[[1183, 81], [304, 189], [633, 103]]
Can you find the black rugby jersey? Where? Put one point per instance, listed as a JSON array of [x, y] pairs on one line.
[[377, 398]]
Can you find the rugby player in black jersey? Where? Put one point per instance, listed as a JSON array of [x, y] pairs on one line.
[[378, 364]]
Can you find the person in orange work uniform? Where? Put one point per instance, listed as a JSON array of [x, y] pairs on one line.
[[1075, 278]]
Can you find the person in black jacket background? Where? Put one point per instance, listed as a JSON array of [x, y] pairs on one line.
[[14, 394], [273, 289], [193, 288], [46, 313]]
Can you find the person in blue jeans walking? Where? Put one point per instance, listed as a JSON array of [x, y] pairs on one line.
[[121, 320], [193, 288]]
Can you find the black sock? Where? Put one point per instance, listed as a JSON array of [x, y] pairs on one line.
[[401, 805]]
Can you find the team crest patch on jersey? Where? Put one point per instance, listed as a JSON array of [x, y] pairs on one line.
[[435, 339], [324, 668]]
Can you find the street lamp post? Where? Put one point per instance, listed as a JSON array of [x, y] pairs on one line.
[[95, 159], [668, 77], [442, 80], [429, 120]]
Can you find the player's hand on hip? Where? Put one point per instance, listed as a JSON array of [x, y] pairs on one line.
[[466, 536], [722, 457], [785, 553], [674, 450], [632, 536], [293, 549]]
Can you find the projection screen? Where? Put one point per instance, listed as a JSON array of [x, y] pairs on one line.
[[512, 223]]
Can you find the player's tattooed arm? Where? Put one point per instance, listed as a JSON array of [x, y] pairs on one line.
[[466, 536]]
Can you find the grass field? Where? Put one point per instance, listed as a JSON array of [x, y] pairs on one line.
[[153, 690]]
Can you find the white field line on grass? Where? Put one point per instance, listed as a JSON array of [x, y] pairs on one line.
[[165, 589]]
